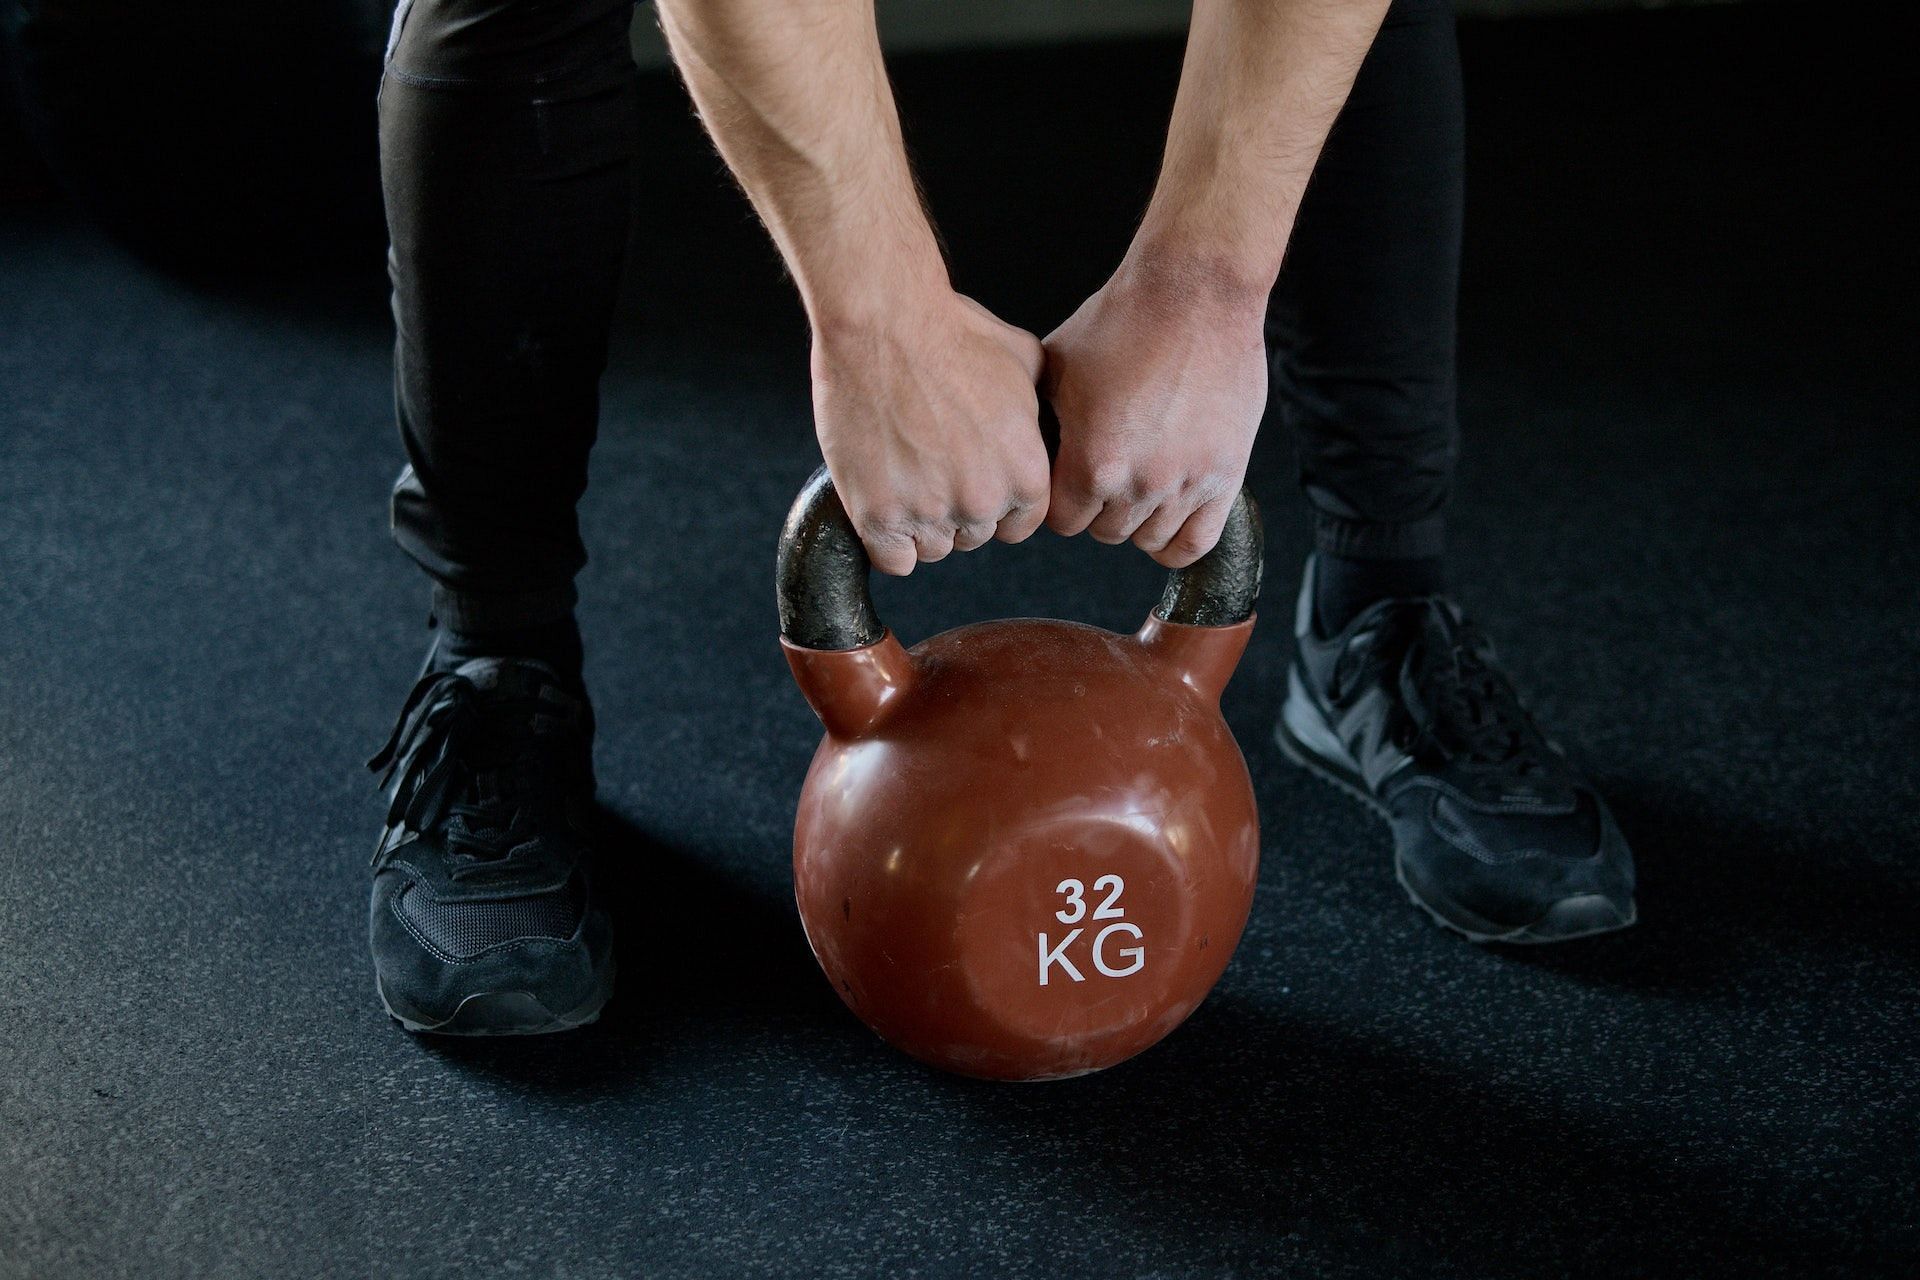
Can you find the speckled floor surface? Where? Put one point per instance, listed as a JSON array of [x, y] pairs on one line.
[[1688, 512]]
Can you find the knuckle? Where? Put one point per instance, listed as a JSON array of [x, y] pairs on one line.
[[879, 520], [924, 520], [1206, 491], [1030, 491], [1030, 480], [1074, 480], [1160, 478], [979, 508], [1080, 494], [1110, 478]]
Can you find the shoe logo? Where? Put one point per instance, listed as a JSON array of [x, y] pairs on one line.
[[1362, 729]]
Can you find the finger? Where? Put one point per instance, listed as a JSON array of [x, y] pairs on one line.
[[1118, 520], [1198, 535], [1071, 507], [972, 533], [891, 553], [1018, 524], [1027, 503], [1160, 528], [933, 543]]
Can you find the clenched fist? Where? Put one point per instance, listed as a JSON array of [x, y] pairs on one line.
[[929, 422], [1159, 381]]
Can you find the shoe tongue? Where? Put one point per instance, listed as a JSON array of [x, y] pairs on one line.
[[519, 700], [519, 697]]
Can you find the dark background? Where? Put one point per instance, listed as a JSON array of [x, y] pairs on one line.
[[1687, 511]]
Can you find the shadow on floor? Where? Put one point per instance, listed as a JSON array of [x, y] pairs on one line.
[[1249, 1119], [1719, 893], [670, 907]]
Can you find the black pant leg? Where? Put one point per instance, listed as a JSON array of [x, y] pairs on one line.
[[1362, 320], [508, 131]]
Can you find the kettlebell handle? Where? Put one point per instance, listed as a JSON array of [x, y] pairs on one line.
[[821, 573]]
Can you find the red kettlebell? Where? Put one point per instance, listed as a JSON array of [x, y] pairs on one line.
[[1026, 849]]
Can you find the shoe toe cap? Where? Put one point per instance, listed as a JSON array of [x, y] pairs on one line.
[[500, 966], [462, 928], [1507, 873]]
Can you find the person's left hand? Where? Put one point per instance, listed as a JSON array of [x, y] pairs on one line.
[[1159, 381]]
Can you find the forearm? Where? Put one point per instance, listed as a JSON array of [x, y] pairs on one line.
[[796, 97], [1259, 89]]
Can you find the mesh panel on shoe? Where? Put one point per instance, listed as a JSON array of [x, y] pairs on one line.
[[465, 929]]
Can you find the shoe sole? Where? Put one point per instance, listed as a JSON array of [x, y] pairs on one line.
[[1581, 916], [502, 1013]]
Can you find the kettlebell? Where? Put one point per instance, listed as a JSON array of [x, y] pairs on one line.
[[1025, 849]]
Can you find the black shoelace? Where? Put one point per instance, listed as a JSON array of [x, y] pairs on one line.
[[470, 762], [1455, 700], [1466, 703]]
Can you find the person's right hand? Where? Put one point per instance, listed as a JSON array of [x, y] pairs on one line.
[[928, 419]]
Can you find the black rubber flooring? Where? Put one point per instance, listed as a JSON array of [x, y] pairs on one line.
[[1687, 510]]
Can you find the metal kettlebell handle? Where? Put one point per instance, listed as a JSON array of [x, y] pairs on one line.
[[821, 574]]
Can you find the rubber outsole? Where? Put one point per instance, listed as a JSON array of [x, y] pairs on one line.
[[501, 1013], [1580, 916]]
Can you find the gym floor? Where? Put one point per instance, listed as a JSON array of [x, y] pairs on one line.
[[1687, 510]]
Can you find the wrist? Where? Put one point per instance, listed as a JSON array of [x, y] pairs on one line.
[[862, 295], [1210, 223], [856, 271], [1193, 278]]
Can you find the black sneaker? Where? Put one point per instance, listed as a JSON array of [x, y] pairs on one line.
[[1494, 833], [483, 921]]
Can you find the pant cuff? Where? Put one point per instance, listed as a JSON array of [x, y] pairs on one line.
[[478, 614], [1369, 540]]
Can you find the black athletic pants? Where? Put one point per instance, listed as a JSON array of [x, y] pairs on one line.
[[508, 132]]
